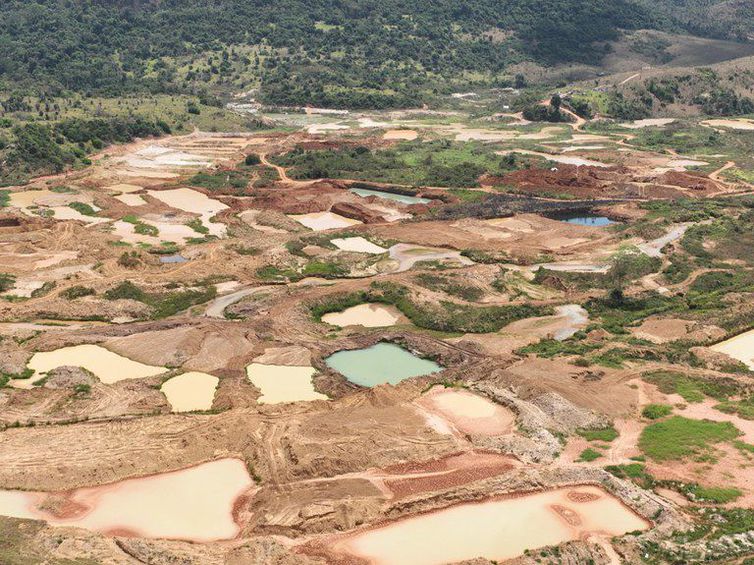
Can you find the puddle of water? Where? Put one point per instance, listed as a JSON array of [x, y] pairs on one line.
[[469, 412], [498, 529], [382, 363], [190, 391], [109, 367], [319, 221], [357, 244], [172, 259], [405, 199], [740, 347], [408, 255], [281, 383], [367, 315], [194, 504], [581, 219]]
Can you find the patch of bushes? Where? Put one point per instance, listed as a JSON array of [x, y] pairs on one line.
[[77, 291], [83, 208], [233, 181], [448, 286], [163, 304]]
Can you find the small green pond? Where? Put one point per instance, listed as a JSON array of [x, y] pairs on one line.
[[382, 363]]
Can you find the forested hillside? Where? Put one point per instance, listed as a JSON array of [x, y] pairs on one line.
[[358, 52]]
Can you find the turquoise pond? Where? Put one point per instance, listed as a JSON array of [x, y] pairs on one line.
[[382, 363], [403, 198]]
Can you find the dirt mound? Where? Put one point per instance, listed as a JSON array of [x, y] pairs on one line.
[[580, 181], [357, 212], [692, 181]]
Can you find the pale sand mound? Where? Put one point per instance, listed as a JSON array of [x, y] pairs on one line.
[[358, 245], [741, 124], [740, 347], [469, 413], [400, 134], [366, 315], [190, 391], [319, 221]]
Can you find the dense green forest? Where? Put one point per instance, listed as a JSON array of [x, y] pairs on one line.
[[368, 53]]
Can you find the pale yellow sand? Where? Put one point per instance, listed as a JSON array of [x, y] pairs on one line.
[[190, 391]]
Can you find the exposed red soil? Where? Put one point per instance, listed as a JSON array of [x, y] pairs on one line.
[[447, 472]]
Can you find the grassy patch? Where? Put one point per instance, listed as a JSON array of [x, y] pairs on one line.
[[83, 208], [678, 437], [589, 454], [607, 434], [163, 304], [656, 411]]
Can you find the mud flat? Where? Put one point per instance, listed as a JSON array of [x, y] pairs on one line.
[[469, 413], [367, 315], [319, 221], [196, 203], [193, 504], [497, 529], [358, 245], [740, 347], [283, 383], [403, 198], [382, 363], [190, 391], [408, 255], [109, 367]]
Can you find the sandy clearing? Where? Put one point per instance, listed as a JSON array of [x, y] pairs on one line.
[[320, 221], [739, 124], [400, 134], [366, 315], [740, 347], [358, 245], [649, 122]]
